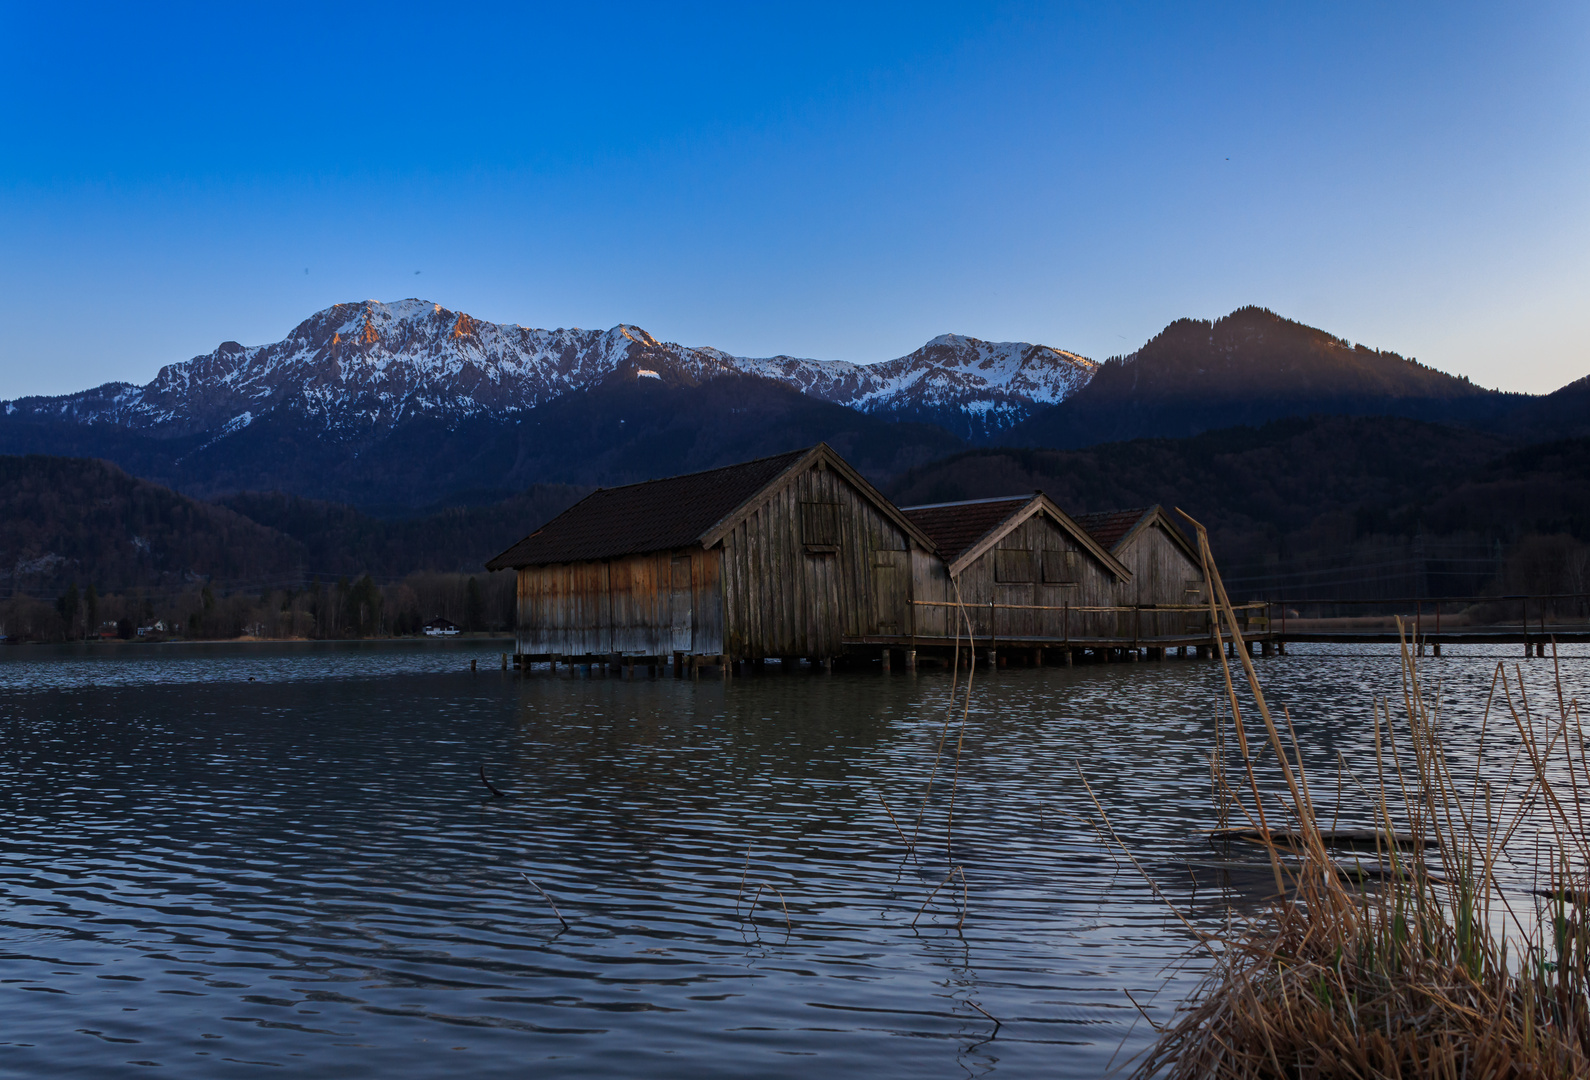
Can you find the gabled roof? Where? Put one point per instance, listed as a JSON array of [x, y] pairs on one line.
[[957, 526], [677, 512], [1109, 526], [964, 531], [1116, 529]]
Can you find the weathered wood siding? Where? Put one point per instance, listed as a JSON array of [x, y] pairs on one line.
[[1059, 573], [1162, 573], [815, 564], [644, 605]]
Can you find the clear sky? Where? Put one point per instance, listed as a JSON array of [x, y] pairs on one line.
[[841, 182]]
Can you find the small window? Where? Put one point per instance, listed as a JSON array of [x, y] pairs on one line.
[[1059, 568], [820, 527], [1013, 567]]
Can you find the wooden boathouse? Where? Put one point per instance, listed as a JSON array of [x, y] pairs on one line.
[[1166, 571], [788, 556], [1010, 570], [1021, 577]]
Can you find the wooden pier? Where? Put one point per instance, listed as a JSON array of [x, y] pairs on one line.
[[1531, 621]]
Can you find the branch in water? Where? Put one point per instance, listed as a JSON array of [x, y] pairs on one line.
[[489, 785]]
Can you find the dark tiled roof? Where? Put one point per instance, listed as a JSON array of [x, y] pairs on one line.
[[659, 515], [956, 527], [1107, 528]]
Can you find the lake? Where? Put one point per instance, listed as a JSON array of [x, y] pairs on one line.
[[244, 860]]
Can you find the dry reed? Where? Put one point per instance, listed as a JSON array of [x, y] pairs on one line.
[[1436, 970]]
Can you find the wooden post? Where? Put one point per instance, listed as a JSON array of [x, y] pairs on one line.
[[910, 660], [505, 661], [1070, 658], [828, 665], [723, 666], [679, 664], [993, 659], [886, 658], [1065, 628], [472, 665], [993, 635]]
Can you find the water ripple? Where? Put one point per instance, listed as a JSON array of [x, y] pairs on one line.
[[205, 875]]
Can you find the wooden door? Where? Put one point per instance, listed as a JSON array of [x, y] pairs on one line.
[[891, 579]]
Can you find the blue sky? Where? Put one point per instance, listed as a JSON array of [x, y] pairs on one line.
[[839, 182]]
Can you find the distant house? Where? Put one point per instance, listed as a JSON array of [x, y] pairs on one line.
[[1164, 564], [440, 628], [794, 555], [1015, 569]]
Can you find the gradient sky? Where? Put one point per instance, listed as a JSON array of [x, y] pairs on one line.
[[839, 182]]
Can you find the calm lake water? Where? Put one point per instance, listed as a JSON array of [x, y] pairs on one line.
[[255, 860]]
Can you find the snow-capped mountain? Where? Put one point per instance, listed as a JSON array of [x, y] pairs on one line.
[[360, 369]]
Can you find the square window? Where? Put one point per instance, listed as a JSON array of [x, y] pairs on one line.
[[1013, 567], [1059, 568], [820, 523]]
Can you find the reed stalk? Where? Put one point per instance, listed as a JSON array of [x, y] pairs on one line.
[[1431, 967]]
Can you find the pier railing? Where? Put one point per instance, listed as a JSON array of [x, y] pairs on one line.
[[1065, 623]]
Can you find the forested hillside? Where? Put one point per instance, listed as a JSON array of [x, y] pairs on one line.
[[67, 519], [1339, 505]]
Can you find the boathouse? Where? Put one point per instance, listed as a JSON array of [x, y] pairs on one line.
[[1014, 570], [1164, 564], [787, 556]]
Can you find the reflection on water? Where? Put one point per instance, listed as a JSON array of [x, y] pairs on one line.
[[208, 875]]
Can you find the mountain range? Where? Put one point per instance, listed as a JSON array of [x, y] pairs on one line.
[[396, 407], [405, 403]]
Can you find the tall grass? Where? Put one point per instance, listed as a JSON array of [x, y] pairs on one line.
[[1465, 952]]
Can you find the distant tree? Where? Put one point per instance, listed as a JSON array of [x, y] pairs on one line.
[[91, 610], [364, 607], [66, 605], [125, 629], [474, 606]]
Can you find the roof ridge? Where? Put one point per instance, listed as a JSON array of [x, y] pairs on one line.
[[971, 502], [706, 472]]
